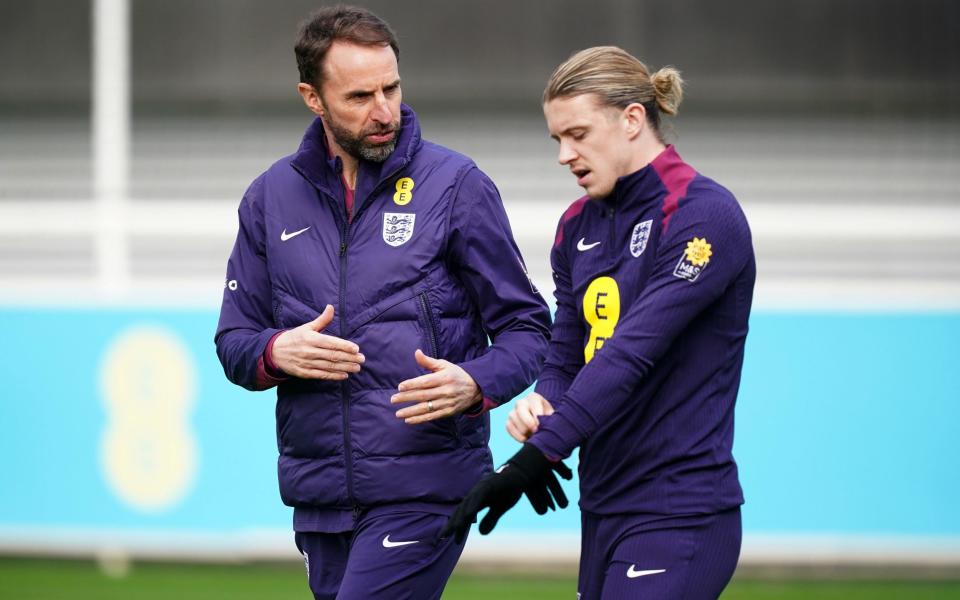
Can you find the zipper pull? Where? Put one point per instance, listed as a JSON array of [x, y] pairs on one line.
[[343, 248]]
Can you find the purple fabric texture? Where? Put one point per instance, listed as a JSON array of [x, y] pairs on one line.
[[389, 555], [428, 261], [627, 556], [662, 314]]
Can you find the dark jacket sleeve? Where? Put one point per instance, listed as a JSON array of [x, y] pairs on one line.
[[246, 318], [677, 291], [565, 354], [483, 253]]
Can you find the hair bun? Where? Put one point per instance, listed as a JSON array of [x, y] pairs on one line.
[[668, 86]]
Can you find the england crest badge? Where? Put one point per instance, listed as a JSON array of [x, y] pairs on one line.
[[638, 241], [398, 227]]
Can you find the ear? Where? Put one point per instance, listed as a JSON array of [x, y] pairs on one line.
[[311, 97], [634, 120]]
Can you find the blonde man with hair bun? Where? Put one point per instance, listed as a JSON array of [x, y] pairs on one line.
[[654, 272]]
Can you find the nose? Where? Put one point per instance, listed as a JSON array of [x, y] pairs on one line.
[[567, 154], [381, 112]]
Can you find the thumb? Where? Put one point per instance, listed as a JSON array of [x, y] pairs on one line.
[[489, 521], [547, 408], [427, 362], [322, 320]]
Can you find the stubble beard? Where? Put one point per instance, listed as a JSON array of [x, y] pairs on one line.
[[357, 146]]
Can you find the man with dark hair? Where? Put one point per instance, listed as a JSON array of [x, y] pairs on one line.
[[381, 404]]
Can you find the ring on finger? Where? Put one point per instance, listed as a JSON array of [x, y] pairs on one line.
[[430, 406]]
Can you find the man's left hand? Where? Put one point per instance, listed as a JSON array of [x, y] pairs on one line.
[[446, 391], [527, 472]]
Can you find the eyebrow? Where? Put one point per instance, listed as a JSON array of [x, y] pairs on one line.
[[568, 130], [362, 93]]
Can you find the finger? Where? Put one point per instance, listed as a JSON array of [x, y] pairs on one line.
[[315, 353], [425, 415], [458, 525], [516, 433], [563, 470], [421, 395], [539, 405], [526, 418], [455, 524], [545, 407], [462, 531], [533, 405], [463, 524], [421, 409], [452, 524], [519, 426], [490, 519], [428, 362], [322, 320], [423, 382], [554, 486], [330, 342], [333, 367], [475, 501], [539, 499], [319, 374]]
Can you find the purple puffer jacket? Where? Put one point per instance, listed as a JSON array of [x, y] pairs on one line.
[[428, 261]]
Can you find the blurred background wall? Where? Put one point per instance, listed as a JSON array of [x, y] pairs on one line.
[[835, 123], [223, 56]]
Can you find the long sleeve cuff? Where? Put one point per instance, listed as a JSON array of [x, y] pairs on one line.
[[268, 374], [552, 387], [481, 407], [558, 434], [479, 369]]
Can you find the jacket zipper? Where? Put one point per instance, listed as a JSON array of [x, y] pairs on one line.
[[345, 385], [613, 226], [359, 206], [432, 339], [276, 313], [431, 328]]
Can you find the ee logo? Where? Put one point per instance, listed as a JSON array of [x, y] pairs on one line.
[[404, 191], [601, 309], [148, 450]]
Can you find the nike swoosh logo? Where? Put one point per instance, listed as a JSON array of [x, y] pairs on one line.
[[284, 236], [582, 247], [388, 544], [631, 573]]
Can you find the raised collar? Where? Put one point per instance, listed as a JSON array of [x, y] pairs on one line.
[[315, 162], [646, 183]]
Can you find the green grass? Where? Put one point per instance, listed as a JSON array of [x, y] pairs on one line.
[[843, 590], [27, 579]]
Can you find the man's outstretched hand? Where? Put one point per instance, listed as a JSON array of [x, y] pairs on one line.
[[527, 472]]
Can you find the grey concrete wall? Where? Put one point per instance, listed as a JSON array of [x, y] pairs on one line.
[[235, 55]]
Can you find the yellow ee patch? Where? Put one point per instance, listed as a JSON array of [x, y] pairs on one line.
[[404, 191], [601, 309], [694, 259]]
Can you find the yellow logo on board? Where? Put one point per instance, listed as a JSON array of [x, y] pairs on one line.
[[601, 309], [698, 252], [404, 191]]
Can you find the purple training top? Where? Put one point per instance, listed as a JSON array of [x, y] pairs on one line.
[[653, 285]]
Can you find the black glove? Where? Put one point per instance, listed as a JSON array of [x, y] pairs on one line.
[[527, 472]]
